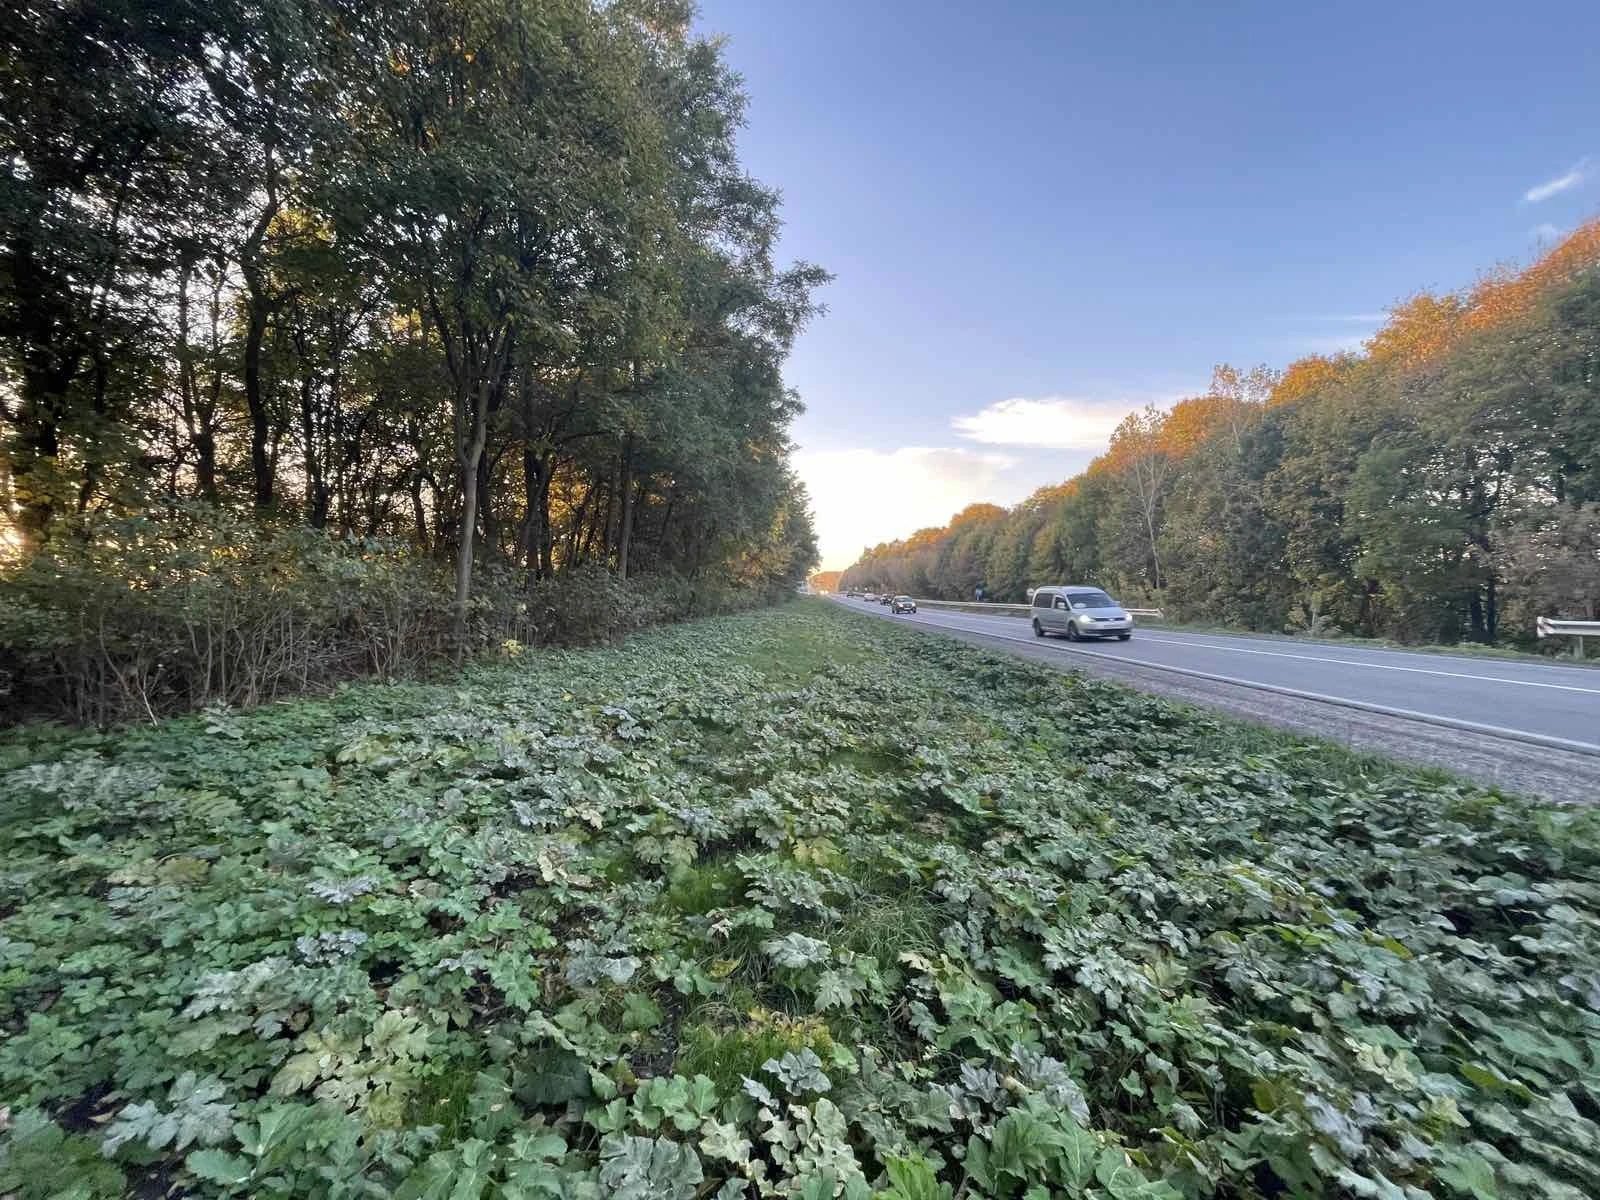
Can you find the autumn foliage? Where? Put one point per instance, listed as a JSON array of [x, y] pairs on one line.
[[825, 581], [1443, 479]]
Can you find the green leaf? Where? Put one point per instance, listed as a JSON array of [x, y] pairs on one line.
[[634, 1168], [461, 1173], [1079, 1152], [1468, 1174], [299, 1072], [551, 1077], [640, 1013], [219, 1167], [912, 1179], [833, 990], [796, 950], [722, 1140]]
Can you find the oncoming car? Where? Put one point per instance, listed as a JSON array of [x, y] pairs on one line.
[[903, 604], [1078, 612]]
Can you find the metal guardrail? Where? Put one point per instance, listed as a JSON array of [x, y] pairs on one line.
[[1015, 610], [1556, 627], [976, 605]]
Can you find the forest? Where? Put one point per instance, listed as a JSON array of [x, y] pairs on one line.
[[1443, 485], [336, 337]]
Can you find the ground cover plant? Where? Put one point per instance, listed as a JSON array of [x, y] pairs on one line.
[[788, 904]]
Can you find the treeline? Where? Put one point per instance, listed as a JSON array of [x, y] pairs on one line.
[[1443, 485], [482, 276], [826, 581]]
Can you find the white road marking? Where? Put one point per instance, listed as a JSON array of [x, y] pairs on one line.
[[1350, 662], [1521, 735], [1195, 640]]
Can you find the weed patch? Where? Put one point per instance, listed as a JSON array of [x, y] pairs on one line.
[[785, 904]]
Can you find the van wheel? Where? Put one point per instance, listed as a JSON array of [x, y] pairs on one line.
[[1038, 629], [1072, 631]]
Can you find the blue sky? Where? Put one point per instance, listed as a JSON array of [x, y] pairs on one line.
[[1042, 214]]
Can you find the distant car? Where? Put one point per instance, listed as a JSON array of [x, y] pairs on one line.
[[871, 597], [903, 604], [1079, 611], [885, 598]]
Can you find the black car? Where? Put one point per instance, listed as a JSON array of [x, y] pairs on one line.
[[903, 604]]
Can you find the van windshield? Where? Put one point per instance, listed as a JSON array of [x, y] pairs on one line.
[[1090, 600]]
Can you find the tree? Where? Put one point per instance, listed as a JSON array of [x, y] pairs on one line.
[[487, 274], [1434, 487], [103, 131], [1141, 466], [1554, 564], [498, 119]]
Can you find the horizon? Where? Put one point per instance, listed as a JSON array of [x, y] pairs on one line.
[[972, 357]]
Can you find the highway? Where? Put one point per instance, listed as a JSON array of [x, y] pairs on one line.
[[1533, 704]]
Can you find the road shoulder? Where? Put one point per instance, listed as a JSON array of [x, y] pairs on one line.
[[1504, 763]]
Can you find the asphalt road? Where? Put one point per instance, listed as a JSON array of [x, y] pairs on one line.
[[1546, 717]]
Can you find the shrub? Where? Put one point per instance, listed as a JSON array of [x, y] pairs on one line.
[[134, 618]]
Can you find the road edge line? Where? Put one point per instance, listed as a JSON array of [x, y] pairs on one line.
[[1515, 735]]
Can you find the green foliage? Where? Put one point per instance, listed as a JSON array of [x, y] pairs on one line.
[[365, 334], [192, 1114], [141, 616], [38, 1160], [1449, 496], [645, 921], [731, 1054]]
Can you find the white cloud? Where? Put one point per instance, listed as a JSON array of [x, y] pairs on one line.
[[1048, 422], [862, 497], [1561, 183]]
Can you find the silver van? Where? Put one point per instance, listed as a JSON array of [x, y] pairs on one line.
[[1079, 611]]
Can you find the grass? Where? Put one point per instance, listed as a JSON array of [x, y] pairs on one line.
[[729, 1044], [797, 896]]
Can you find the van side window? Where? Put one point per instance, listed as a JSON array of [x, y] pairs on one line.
[[1061, 602], [1041, 600]]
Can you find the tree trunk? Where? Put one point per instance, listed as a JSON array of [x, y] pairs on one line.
[[260, 428], [205, 440], [625, 533], [490, 527], [419, 512], [185, 356], [92, 465], [576, 526], [469, 524], [1155, 557], [34, 451], [599, 522], [603, 526], [316, 483], [547, 545], [472, 432], [535, 499]]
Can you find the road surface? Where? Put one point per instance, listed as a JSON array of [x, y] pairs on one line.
[[1527, 725]]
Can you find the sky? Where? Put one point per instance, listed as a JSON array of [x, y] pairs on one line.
[[1042, 214]]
